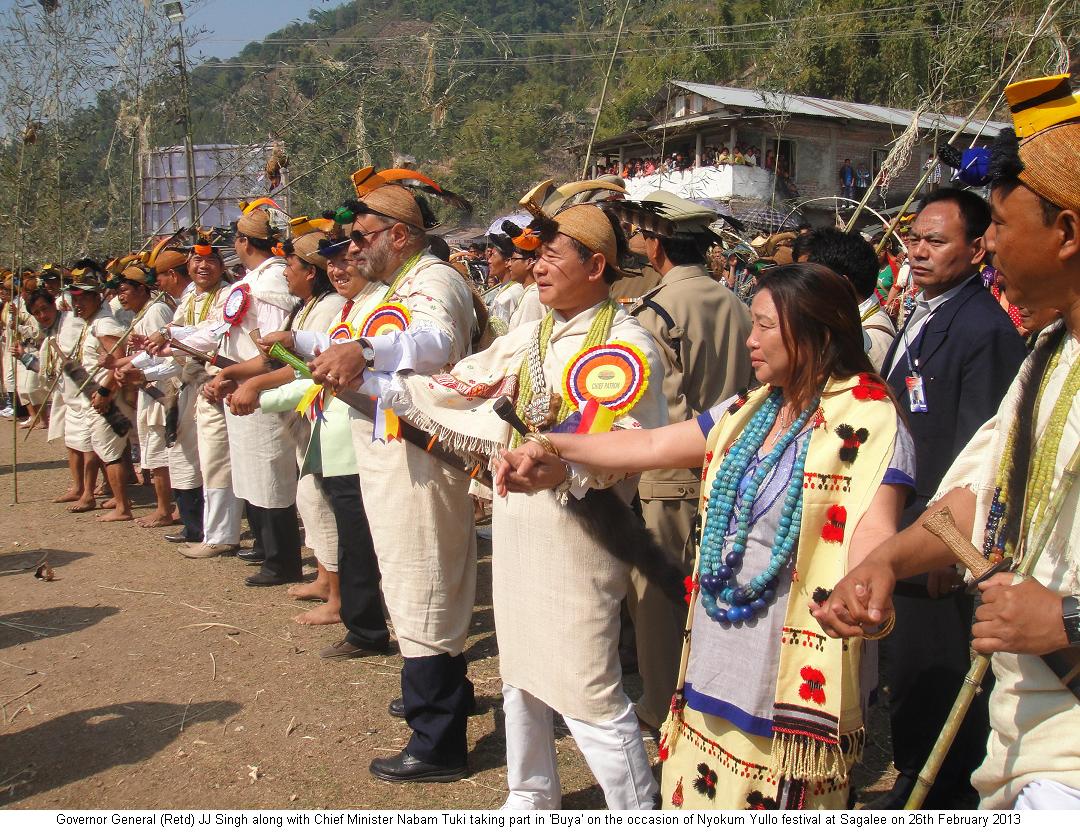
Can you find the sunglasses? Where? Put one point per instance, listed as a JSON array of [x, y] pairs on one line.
[[361, 237]]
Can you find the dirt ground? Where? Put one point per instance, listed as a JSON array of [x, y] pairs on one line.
[[139, 679]]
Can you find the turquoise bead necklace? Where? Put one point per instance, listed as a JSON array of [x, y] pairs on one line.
[[724, 600]]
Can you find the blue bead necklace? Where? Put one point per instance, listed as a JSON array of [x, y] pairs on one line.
[[724, 600]]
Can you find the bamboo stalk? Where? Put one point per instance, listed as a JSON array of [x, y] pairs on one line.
[[603, 92], [981, 662], [1047, 18]]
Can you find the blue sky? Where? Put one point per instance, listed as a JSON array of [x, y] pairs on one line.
[[231, 24]]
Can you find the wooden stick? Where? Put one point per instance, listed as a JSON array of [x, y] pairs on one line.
[[132, 590], [981, 661], [942, 525], [21, 695]]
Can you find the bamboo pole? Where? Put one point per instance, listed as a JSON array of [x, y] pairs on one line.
[[981, 661], [13, 321], [603, 92], [1048, 17]]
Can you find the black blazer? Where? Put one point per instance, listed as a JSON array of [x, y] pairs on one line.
[[968, 354]]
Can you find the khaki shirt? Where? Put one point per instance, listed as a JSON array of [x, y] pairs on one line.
[[704, 354]]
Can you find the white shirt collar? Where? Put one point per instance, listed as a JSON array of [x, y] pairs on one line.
[[936, 302]]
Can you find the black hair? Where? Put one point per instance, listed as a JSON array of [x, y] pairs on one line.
[[39, 294], [684, 250], [1005, 169], [848, 254], [502, 243], [265, 245], [439, 247], [973, 210]]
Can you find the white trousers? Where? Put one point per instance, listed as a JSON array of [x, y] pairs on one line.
[[614, 751], [1047, 795], [222, 512]]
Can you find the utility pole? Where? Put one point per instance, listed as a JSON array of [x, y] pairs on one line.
[[175, 12]]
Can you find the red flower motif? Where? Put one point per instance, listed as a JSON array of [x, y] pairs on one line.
[[690, 584], [835, 520], [869, 387], [813, 687]]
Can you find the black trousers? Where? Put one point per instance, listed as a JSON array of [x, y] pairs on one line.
[[438, 696], [925, 660], [277, 534], [358, 567], [189, 505]]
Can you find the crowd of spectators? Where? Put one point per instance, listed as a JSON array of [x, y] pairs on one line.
[[680, 161]]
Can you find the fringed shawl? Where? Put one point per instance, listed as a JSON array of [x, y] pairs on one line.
[[817, 718]]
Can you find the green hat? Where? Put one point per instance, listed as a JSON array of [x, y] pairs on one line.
[[663, 213]]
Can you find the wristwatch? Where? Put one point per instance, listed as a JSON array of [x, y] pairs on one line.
[[1070, 614], [368, 352]]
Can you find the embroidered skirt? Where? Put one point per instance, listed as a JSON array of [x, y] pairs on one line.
[[713, 765]]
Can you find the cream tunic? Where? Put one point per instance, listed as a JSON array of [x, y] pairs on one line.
[[529, 308], [68, 337], [262, 447], [419, 510], [150, 412], [1034, 720], [556, 594]]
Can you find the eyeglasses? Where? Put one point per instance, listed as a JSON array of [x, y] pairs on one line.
[[362, 237], [521, 259]]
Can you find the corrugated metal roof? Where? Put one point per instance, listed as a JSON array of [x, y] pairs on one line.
[[811, 106]]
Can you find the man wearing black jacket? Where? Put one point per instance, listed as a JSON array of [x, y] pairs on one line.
[[950, 368]]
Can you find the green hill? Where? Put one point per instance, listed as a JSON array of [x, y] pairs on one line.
[[489, 96]]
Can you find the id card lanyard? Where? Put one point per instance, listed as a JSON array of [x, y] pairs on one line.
[[914, 380]]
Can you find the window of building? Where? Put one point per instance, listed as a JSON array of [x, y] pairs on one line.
[[787, 154], [879, 156]]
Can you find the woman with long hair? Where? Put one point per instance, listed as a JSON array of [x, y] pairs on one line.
[[802, 478]]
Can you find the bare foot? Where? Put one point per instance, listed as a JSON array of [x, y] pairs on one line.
[[68, 497], [83, 506], [115, 515], [321, 615], [156, 519], [109, 505], [310, 591]]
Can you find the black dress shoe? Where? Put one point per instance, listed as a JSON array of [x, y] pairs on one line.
[[264, 578], [396, 708], [404, 767], [178, 538], [251, 555]]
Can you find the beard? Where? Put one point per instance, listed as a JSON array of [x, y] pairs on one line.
[[374, 262]]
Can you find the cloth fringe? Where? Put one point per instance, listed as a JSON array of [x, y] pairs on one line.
[[476, 450], [804, 758]]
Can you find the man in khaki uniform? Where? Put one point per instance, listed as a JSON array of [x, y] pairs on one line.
[[701, 328]]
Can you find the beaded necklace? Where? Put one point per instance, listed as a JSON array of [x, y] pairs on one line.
[[724, 600], [534, 399], [1040, 476]]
